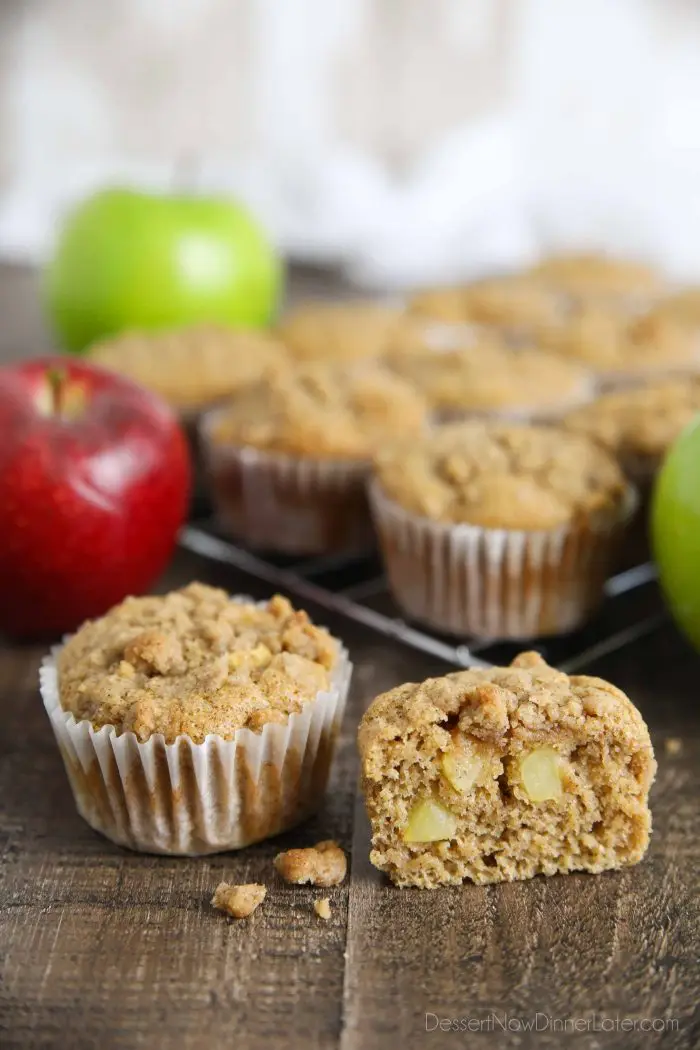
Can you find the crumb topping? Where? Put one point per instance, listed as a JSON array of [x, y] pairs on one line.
[[323, 410], [609, 342], [340, 331], [322, 907], [194, 366], [525, 705], [508, 301], [482, 378], [321, 865], [194, 662], [643, 420], [501, 475], [238, 901]]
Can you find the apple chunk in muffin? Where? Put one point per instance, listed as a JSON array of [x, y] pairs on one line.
[[506, 773]]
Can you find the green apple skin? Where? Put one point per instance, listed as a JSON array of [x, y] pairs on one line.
[[133, 260], [675, 530]]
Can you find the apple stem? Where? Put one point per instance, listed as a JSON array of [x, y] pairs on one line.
[[57, 384]]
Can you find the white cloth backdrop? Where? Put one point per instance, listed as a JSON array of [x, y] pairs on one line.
[[409, 140]]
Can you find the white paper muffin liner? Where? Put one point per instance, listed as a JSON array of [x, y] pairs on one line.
[[193, 799], [289, 504], [497, 583]]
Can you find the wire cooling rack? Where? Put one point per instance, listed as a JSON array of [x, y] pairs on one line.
[[357, 588]]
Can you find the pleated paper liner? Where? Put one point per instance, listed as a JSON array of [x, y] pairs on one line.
[[187, 798], [497, 583]]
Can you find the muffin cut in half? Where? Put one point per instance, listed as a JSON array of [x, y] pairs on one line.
[[502, 774]]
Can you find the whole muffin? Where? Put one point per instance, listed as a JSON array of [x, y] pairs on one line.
[[516, 306], [191, 367], [318, 330], [289, 458], [499, 530], [195, 722], [639, 424], [496, 381], [623, 350]]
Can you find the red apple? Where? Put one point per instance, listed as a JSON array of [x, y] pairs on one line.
[[94, 483]]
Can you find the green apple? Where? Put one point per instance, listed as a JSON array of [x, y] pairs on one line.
[[127, 259], [675, 529]]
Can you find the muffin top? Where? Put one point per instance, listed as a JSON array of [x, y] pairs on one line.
[[341, 331], [194, 662], [489, 378], [640, 421], [596, 273], [500, 475], [194, 366], [614, 345], [322, 411], [511, 302], [518, 706]]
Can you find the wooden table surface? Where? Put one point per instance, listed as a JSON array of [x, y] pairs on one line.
[[100, 947]]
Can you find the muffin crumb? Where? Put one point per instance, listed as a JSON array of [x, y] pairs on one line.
[[321, 865], [238, 901], [673, 745], [322, 908]]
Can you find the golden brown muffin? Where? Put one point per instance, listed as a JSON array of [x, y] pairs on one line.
[[502, 774], [500, 475], [322, 410], [341, 331], [621, 349], [496, 380], [683, 307], [515, 303], [499, 530], [194, 663], [597, 274], [191, 367], [639, 425]]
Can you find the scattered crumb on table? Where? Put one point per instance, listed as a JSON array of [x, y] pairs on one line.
[[673, 745], [321, 865], [238, 901], [322, 908]]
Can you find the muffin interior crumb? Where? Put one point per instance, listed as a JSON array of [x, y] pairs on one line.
[[502, 774]]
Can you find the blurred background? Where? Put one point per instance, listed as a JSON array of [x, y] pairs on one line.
[[404, 142]]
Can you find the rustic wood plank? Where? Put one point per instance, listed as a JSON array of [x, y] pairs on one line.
[[622, 943]]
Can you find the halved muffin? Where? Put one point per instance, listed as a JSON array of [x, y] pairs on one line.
[[502, 774]]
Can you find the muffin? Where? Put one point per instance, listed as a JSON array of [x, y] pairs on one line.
[[516, 306], [496, 381], [343, 331], [623, 350], [288, 458], [502, 774], [191, 367], [639, 425], [194, 722], [499, 530], [600, 276]]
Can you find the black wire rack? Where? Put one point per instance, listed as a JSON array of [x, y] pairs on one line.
[[357, 588]]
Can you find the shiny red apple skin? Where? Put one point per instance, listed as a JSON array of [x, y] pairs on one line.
[[90, 501]]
